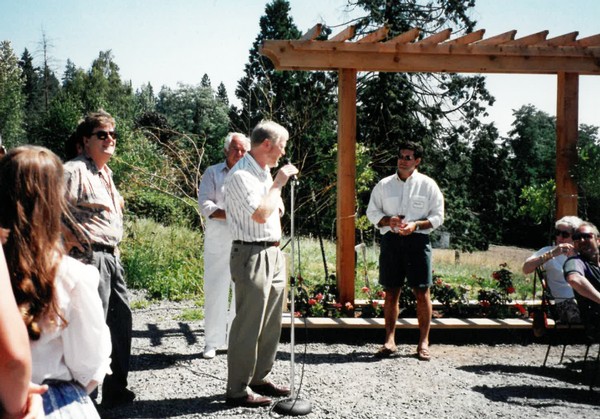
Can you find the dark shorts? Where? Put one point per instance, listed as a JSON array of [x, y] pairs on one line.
[[405, 258]]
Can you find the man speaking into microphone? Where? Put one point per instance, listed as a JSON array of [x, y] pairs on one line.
[[254, 207]]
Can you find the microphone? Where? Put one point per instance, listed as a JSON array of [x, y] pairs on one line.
[[288, 161]]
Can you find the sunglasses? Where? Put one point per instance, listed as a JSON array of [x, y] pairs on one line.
[[562, 233], [585, 236], [103, 135], [407, 158]]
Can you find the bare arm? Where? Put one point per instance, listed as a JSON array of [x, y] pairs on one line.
[[583, 287], [15, 355], [533, 262]]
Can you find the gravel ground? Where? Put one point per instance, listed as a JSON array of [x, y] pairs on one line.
[[483, 378]]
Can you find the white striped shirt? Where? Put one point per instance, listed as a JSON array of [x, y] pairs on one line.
[[245, 186]]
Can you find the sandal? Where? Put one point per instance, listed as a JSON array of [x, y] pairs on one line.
[[423, 354], [384, 352]]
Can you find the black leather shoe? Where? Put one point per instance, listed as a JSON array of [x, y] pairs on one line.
[[270, 389], [111, 400], [251, 400]]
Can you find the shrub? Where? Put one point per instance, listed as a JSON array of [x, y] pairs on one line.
[[165, 261]]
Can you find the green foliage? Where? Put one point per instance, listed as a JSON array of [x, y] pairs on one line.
[[533, 142], [585, 172], [165, 261], [11, 97], [539, 202]]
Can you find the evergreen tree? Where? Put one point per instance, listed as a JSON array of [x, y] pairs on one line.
[[304, 103], [533, 143], [12, 101], [222, 94], [206, 81], [32, 91]]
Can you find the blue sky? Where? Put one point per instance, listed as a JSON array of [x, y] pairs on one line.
[[168, 41]]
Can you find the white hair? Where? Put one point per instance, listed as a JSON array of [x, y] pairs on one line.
[[570, 221], [230, 136]]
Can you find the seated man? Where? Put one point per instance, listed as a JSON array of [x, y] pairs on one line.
[[583, 274]]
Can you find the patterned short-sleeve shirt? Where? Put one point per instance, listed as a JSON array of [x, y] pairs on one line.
[[95, 202]]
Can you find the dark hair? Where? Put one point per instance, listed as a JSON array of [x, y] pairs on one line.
[[74, 144], [416, 148]]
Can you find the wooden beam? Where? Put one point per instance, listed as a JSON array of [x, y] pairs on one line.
[[436, 38], [468, 38], [405, 37], [344, 35], [533, 39], [590, 41], [346, 185], [495, 40], [415, 57], [376, 36], [567, 39], [313, 33], [567, 109]]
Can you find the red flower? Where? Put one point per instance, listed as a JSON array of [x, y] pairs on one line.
[[521, 309], [312, 301], [375, 304], [381, 294], [484, 303], [510, 290], [496, 275], [319, 297], [297, 314], [365, 290]]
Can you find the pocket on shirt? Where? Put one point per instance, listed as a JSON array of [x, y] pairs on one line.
[[418, 202]]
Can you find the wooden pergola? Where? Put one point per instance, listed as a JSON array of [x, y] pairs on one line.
[[564, 55]]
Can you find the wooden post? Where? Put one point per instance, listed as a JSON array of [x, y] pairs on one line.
[[567, 110], [346, 185]]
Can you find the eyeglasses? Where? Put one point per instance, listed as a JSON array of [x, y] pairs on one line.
[[407, 158], [586, 236], [562, 233], [103, 135]]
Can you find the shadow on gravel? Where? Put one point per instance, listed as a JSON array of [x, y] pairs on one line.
[[569, 373], [156, 335], [167, 408], [159, 361], [538, 396], [333, 358]]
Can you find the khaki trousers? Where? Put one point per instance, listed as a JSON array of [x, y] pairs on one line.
[[259, 276]]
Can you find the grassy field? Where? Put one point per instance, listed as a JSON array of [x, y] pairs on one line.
[[469, 269]]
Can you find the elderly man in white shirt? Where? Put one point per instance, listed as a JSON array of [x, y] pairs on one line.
[[254, 205], [406, 207], [217, 246]]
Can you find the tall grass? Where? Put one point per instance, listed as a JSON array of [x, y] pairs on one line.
[[164, 261]]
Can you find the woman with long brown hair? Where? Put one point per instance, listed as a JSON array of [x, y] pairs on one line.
[[57, 295]]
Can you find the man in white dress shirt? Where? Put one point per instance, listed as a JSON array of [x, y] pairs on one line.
[[406, 207], [217, 246], [254, 206]]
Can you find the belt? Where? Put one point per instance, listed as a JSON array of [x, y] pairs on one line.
[[103, 248], [262, 244]]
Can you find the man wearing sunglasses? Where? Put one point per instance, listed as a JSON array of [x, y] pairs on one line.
[[583, 274], [551, 259], [97, 208], [406, 207]]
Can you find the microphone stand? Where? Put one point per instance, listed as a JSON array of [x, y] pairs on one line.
[[292, 406]]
